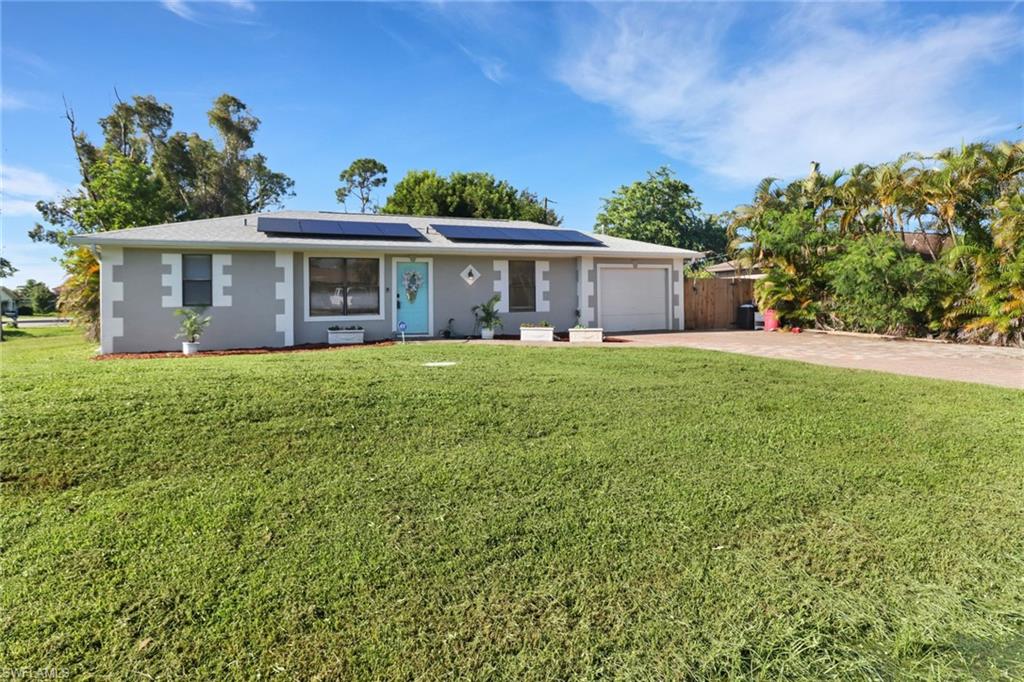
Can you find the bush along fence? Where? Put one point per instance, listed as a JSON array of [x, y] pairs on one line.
[[923, 246]]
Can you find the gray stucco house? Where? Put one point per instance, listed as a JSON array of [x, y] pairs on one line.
[[283, 278]]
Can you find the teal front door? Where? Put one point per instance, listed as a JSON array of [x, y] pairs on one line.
[[412, 298]]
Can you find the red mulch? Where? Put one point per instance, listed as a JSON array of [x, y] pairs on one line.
[[296, 349], [239, 351]]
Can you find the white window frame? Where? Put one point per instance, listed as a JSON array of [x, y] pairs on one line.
[[306, 317], [430, 292], [638, 266]]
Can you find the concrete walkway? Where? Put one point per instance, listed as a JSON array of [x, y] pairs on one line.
[[956, 362]]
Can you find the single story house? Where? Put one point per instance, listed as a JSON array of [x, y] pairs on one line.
[[283, 278], [8, 301]]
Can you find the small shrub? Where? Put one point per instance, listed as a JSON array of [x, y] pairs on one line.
[[193, 323]]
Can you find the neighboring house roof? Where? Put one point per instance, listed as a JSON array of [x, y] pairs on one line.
[[8, 294], [731, 266], [240, 232], [927, 243]]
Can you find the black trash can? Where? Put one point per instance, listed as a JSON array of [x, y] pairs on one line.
[[745, 316]]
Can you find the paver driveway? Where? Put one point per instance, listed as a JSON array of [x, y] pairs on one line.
[[958, 362]]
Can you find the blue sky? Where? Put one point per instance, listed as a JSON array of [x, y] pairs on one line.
[[569, 100]]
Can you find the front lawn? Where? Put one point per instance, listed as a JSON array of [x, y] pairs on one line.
[[528, 513]]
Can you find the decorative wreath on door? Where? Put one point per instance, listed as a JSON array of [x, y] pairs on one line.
[[412, 281]]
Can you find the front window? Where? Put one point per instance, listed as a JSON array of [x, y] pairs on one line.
[[344, 286], [197, 279], [522, 286]]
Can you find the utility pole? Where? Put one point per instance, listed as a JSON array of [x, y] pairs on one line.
[[546, 200]]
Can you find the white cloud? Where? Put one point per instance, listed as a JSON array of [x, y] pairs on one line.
[[27, 182], [186, 9], [181, 8], [11, 102], [21, 188], [834, 84], [492, 68], [17, 207]]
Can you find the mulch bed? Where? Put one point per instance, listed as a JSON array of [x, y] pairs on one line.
[[240, 351], [296, 349]]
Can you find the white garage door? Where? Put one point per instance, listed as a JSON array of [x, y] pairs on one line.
[[633, 299]]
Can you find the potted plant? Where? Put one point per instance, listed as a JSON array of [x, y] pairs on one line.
[[583, 334], [344, 336], [193, 324], [537, 331], [487, 317]]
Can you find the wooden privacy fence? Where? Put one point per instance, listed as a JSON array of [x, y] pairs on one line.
[[712, 303]]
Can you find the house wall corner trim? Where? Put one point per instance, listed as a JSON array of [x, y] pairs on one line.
[[284, 292], [111, 292]]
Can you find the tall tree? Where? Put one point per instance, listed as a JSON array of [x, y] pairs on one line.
[[6, 269], [466, 195], [37, 296], [361, 178], [142, 174], [661, 209]]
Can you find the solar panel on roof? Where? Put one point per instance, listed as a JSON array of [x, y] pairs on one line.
[[280, 225], [515, 235], [351, 229]]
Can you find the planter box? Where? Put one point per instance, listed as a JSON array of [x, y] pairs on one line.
[[537, 334], [345, 337], [587, 335], [189, 347], [486, 334]]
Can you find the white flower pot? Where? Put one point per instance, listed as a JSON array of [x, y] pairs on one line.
[[345, 337], [586, 335], [189, 347], [537, 334], [486, 334]]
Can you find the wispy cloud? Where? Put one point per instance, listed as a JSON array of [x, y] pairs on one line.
[[823, 83], [187, 9], [180, 8], [492, 68], [12, 102], [27, 59], [21, 188]]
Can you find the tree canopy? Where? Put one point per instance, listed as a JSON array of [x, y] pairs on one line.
[[836, 248], [6, 269], [142, 173], [661, 209], [361, 178], [37, 296], [466, 195]]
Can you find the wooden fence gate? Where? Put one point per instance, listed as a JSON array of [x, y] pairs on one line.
[[712, 303]]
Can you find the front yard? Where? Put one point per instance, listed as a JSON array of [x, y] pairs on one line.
[[528, 513]]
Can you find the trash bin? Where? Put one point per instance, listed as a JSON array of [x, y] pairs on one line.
[[745, 316]]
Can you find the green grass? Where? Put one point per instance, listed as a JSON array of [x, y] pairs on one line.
[[529, 513]]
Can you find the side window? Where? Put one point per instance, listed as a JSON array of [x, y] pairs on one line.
[[196, 279], [522, 286]]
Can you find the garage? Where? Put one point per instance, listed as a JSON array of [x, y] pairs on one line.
[[633, 299]]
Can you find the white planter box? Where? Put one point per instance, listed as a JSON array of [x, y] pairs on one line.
[[189, 348], [486, 334], [537, 334], [588, 335], [345, 337]]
